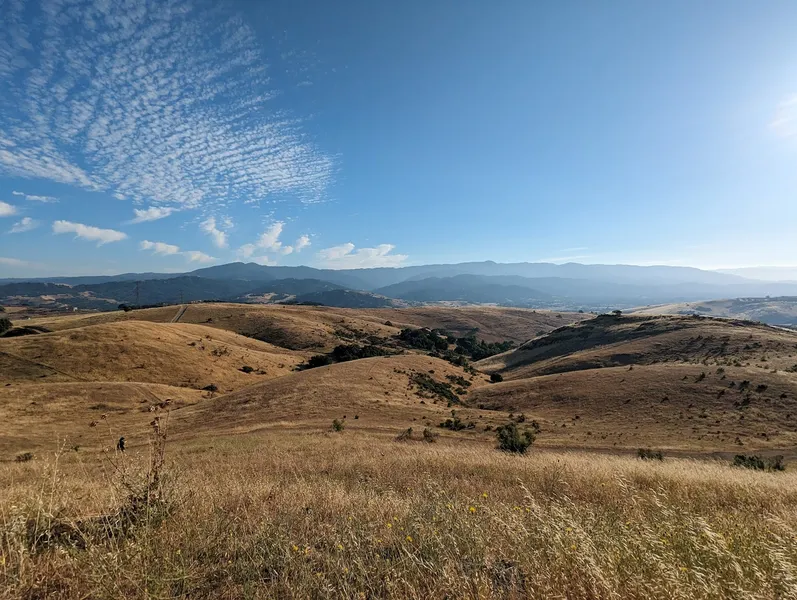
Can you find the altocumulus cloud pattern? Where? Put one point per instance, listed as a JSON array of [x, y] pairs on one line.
[[152, 101]]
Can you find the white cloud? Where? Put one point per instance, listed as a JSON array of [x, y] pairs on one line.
[[270, 242], [32, 198], [153, 213], [302, 243], [161, 101], [345, 257], [26, 224], [247, 250], [6, 210], [13, 262], [170, 249], [196, 256], [87, 232], [217, 235], [269, 239], [159, 247], [785, 122], [264, 260]]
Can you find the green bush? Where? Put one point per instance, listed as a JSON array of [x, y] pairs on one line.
[[757, 463], [25, 457], [338, 425], [5, 325], [319, 360], [247, 369], [511, 439], [496, 378]]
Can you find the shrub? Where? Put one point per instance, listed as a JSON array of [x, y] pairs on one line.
[[5, 325], [429, 436], [496, 378], [648, 454], [458, 380], [211, 388], [757, 463], [247, 369], [319, 360], [511, 439], [24, 457], [405, 435], [431, 388], [347, 352], [338, 425], [423, 339], [456, 424]]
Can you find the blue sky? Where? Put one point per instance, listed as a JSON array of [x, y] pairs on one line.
[[171, 135]]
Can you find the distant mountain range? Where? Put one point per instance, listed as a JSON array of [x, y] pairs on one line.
[[567, 286]]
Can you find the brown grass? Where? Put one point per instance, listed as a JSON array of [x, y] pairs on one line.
[[352, 515], [171, 354]]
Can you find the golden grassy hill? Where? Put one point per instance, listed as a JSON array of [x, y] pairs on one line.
[[381, 393], [491, 323], [676, 382], [172, 354], [780, 310], [690, 408], [615, 341], [321, 328], [48, 416]]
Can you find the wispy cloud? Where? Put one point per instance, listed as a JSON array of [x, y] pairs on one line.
[[785, 122], [565, 259], [87, 232], [14, 262], [7, 210], [32, 198], [165, 249], [153, 213], [345, 257], [197, 256], [159, 247], [302, 243], [26, 224], [217, 235], [167, 102]]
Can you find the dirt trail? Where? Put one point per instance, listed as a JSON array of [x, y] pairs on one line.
[[179, 314]]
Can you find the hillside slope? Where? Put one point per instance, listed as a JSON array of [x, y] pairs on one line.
[[772, 311], [615, 341], [176, 354], [377, 393]]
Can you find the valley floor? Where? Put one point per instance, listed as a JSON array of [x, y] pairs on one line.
[[283, 514]]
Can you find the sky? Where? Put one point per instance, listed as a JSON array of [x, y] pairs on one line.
[[169, 135]]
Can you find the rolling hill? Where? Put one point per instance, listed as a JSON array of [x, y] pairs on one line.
[[672, 382], [175, 354], [780, 311]]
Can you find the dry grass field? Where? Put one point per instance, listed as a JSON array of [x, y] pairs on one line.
[[259, 496], [353, 515]]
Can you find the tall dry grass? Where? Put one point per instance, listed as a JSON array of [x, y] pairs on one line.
[[355, 516]]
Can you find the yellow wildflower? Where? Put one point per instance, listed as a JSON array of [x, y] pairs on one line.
[[472, 509], [409, 538]]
